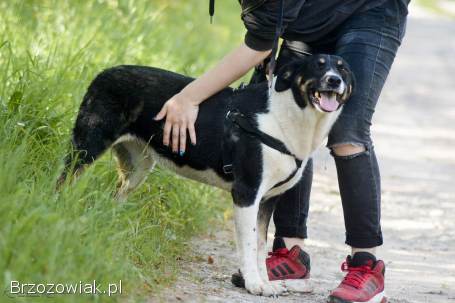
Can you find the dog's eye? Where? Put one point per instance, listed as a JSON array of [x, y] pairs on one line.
[[321, 62], [339, 63]]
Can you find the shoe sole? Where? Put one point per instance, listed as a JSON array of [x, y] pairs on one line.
[[295, 285], [378, 298]]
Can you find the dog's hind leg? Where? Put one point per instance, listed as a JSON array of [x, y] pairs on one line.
[[134, 162]]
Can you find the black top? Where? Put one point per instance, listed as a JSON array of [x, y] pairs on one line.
[[303, 20]]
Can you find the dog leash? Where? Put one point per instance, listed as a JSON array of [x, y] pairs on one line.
[[211, 10], [278, 32]]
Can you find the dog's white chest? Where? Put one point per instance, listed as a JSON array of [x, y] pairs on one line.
[[279, 168], [301, 130]]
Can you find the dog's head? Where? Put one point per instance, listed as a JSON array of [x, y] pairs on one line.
[[324, 82]]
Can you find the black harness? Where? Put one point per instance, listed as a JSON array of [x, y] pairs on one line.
[[235, 119]]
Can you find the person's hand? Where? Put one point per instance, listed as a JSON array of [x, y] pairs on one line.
[[180, 115], [181, 110]]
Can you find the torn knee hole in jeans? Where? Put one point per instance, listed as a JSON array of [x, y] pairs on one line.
[[365, 150]]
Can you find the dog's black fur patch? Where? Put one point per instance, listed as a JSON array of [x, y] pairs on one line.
[[125, 99]]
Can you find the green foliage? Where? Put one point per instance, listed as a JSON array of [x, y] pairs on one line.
[[438, 7], [49, 52]]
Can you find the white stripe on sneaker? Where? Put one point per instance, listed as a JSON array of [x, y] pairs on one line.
[[376, 299]]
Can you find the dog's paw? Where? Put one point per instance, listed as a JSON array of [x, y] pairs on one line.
[[279, 286], [261, 288]]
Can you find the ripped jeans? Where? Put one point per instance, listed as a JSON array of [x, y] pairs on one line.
[[368, 41]]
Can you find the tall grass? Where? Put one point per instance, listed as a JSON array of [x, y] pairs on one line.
[[49, 52]]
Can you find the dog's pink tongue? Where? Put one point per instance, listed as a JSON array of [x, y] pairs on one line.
[[328, 102]]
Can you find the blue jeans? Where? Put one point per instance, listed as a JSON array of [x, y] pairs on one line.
[[368, 41]]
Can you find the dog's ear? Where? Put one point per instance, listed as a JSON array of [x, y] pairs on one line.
[[351, 82], [285, 76]]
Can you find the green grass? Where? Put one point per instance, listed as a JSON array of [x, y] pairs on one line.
[[435, 6], [49, 52]]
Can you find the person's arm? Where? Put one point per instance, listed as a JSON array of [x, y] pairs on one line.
[[231, 68], [182, 109]]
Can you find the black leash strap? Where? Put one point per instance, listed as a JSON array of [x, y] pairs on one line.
[[278, 32], [211, 10]]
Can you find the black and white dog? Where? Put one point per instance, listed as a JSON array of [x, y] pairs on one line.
[[268, 134]]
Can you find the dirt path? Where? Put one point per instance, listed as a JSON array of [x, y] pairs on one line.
[[415, 143]]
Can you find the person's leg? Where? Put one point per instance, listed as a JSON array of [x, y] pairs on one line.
[[368, 42], [359, 183], [291, 214]]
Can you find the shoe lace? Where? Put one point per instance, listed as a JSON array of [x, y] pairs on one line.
[[277, 257], [356, 276], [280, 253]]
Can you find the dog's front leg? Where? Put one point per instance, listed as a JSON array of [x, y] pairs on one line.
[[266, 208], [246, 227]]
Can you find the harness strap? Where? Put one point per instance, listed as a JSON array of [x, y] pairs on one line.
[[241, 121], [298, 164]]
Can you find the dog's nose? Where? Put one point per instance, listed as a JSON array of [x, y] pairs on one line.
[[333, 81]]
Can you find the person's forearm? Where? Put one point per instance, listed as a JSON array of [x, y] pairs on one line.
[[236, 64]]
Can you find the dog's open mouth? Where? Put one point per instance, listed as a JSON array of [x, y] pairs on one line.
[[327, 101]]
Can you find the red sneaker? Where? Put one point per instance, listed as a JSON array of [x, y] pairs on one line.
[[290, 267], [364, 281], [287, 264]]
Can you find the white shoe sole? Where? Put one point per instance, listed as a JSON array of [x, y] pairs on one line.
[[379, 298]]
